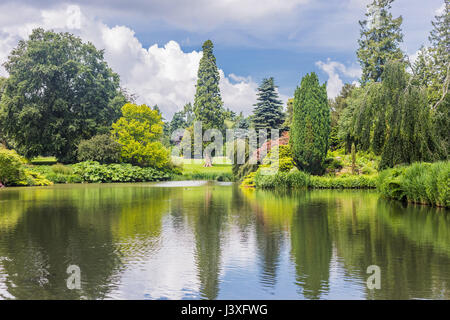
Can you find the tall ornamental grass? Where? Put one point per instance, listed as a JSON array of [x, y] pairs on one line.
[[424, 183]]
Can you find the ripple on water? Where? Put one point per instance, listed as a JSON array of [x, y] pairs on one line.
[[180, 184]]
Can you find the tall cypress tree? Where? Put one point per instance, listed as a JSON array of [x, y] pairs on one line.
[[268, 112], [310, 125], [380, 39], [208, 105]]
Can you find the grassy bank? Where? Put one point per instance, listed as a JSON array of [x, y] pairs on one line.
[[423, 183], [299, 179]]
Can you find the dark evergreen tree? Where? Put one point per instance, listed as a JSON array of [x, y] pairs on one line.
[[268, 112], [310, 125], [208, 105], [380, 40]]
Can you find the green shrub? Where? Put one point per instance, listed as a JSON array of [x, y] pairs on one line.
[[101, 148], [92, 171], [36, 179], [11, 168]]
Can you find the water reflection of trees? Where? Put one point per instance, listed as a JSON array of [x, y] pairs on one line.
[[94, 227], [409, 243]]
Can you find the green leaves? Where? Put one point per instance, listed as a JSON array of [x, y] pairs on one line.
[[139, 131], [58, 92], [310, 125], [93, 172]]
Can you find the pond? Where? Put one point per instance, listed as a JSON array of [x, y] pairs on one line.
[[205, 240]]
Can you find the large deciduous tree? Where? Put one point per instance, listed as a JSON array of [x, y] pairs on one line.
[[310, 125], [208, 105], [268, 113], [380, 40], [59, 91], [392, 118]]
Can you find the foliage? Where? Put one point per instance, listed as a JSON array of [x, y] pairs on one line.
[[279, 158], [13, 171], [92, 171], [208, 105], [337, 106], [295, 180], [268, 112], [380, 40], [299, 179], [423, 183], [289, 113], [59, 91], [392, 119], [11, 168], [182, 119], [36, 179], [101, 148], [343, 182], [432, 70], [138, 131], [339, 163], [310, 125]]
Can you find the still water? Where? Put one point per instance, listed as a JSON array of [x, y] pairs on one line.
[[204, 240]]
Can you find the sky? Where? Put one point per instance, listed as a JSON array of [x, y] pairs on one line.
[[155, 45]]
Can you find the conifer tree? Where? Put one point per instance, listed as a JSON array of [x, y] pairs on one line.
[[380, 39], [268, 112], [310, 125], [208, 105]]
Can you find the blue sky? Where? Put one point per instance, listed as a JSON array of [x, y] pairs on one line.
[[155, 45]]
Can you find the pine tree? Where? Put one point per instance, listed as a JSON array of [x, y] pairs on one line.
[[432, 70], [380, 39], [268, 112], [310, 125], [208, 105]]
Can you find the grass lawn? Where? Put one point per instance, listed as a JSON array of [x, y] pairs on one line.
[[193, 169], [44, 160]]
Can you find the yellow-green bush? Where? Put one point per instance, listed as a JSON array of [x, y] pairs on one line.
[[12, 171]]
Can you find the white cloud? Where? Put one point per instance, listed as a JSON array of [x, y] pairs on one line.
[[158, 75], [440, 11], [334, 70]]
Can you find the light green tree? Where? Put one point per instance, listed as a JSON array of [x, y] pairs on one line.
[[139, 131]]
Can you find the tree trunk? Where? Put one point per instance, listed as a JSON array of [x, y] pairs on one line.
[[207, 162]]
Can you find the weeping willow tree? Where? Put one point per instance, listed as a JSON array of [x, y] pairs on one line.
[[392, 119]]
